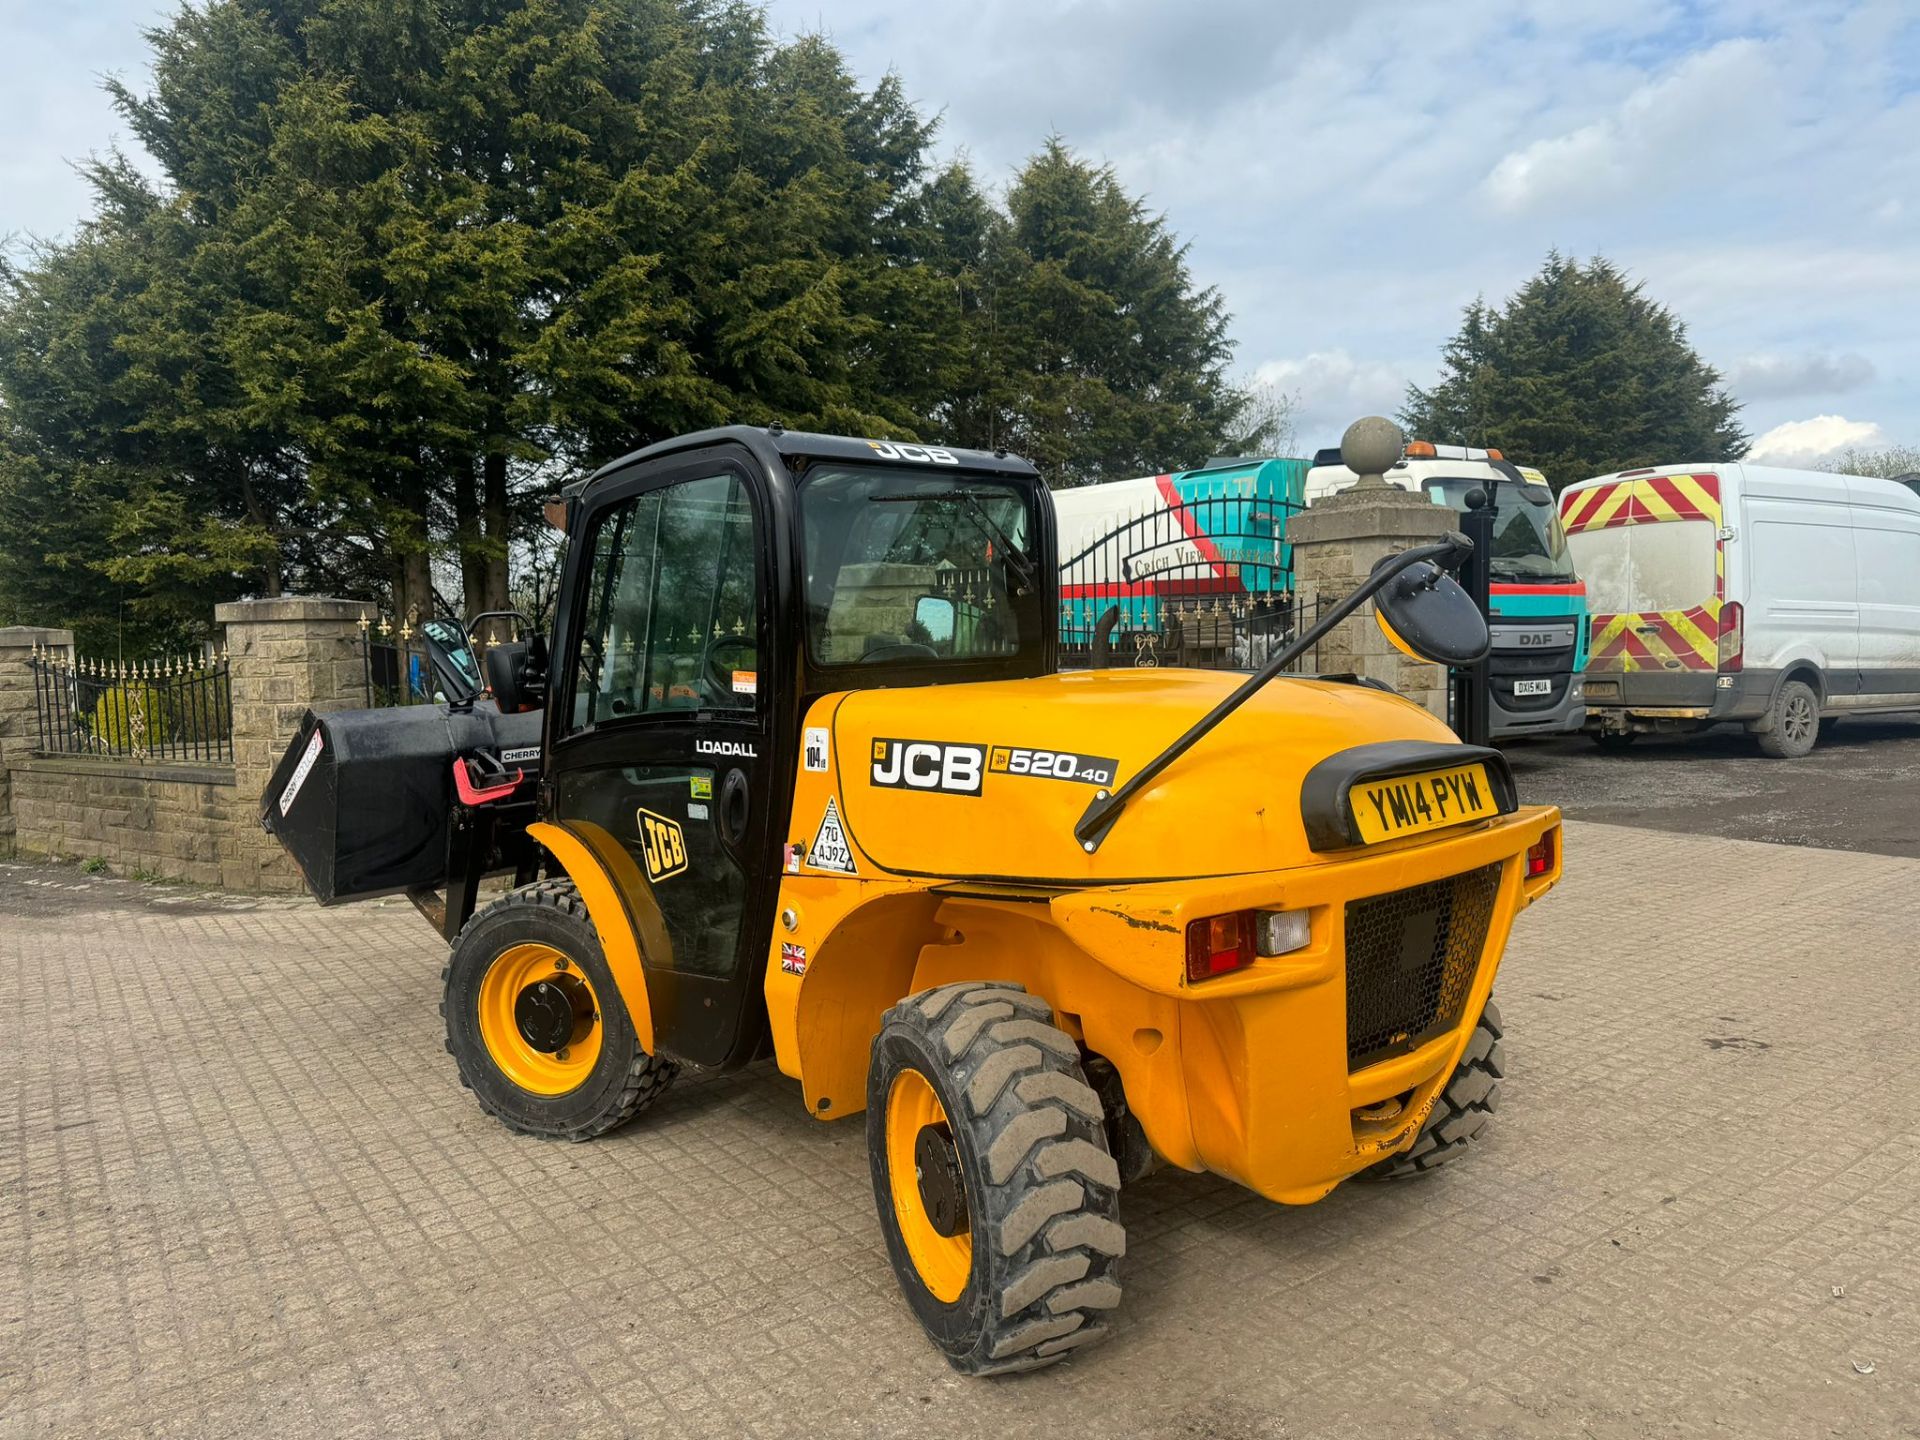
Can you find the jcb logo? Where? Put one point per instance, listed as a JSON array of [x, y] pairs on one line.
[[663, 844], [923, 454], [928, 765]]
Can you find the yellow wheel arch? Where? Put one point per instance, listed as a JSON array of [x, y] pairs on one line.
[[594, 869]]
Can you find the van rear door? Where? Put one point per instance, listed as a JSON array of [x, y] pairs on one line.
[[1649, 550]]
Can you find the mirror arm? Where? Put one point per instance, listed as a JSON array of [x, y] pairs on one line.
[[1092, 827]]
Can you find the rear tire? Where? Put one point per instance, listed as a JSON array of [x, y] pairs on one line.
[[1795, 722], [1461, 1112], [997, 1194], [594, 1084]]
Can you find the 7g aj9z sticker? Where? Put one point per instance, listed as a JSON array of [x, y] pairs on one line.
[[1053, 765]]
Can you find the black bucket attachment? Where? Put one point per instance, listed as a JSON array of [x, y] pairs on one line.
[[364, 799]]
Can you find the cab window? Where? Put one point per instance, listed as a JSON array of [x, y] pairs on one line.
[[906, 566], [671, 612]]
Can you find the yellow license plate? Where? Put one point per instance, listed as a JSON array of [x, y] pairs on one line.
[[1408, 804]]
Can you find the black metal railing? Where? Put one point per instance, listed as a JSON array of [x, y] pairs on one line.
[[175, 708], [1207, 584], [394, 659], [1234, 633]]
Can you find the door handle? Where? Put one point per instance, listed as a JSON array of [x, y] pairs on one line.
[[735, 807]]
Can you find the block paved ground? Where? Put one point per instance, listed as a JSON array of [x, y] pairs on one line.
[[241, 1194]]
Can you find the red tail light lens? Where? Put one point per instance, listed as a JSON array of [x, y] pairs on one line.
[[1219, 945], [1540, 856], [1732, 637]]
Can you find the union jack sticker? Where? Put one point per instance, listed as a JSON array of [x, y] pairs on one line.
[[793, 958]]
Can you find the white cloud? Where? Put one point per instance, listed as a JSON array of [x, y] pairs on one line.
[[1333, 390], [1678, 128], [1802, 442], [1765, 376]]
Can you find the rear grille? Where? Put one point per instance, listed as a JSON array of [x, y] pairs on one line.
[[1411, 959]]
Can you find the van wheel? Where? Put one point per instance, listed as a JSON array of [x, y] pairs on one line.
[[1794, 722], [998, 1196]]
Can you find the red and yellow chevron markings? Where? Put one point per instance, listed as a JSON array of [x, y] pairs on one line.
[[1643, 501]]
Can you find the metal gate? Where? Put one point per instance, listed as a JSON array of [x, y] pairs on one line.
[[1206, 583]]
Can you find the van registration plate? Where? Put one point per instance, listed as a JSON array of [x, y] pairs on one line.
[[1431, 800], [1533, 687]]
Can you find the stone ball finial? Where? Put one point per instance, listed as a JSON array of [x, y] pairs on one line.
[[1370, 447]]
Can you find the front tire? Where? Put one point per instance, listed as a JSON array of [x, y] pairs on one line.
[[1461, 1112], [998, 1196], [536, 1024], [1795, 722]]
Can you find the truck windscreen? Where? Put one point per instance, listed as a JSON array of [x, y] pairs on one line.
[[1528, 544]]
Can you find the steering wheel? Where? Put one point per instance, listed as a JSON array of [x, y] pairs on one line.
[[719, 677], [899, 650]]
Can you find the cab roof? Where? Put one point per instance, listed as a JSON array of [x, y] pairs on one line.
[[777, 448]]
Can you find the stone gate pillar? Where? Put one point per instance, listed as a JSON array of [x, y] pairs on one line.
[[288, 656], [1336, 543], [19, 726]]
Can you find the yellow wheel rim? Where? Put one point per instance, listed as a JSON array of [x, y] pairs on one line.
[[943, 1261], [540, 1019]]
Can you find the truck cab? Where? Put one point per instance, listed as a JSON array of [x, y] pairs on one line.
[[1539, 603]]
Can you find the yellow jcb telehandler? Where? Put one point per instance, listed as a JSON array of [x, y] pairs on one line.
[[798, 777]]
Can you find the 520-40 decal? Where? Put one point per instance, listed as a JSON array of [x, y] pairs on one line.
[[1052, 765]]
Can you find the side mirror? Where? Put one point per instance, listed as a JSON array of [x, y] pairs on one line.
[[1424, 611], [934, 615], [454, 665]]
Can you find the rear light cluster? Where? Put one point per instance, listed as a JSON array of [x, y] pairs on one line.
[[1540, 856], [1221, 944], [1732, 637]]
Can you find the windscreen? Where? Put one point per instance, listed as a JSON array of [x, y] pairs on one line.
[[1649, 568], [1528, 542], [907, 566]]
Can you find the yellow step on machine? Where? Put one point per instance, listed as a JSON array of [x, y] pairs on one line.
[[797, 777]]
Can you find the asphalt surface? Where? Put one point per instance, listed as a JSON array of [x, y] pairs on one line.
[[243, 1194], [1858, 790]]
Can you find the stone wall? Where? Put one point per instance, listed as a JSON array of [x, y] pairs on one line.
[[162, 821], [198, 823]]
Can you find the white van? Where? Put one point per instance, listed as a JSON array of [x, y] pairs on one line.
[[1741, 592]]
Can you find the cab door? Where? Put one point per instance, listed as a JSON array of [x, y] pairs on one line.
[[663, 744]]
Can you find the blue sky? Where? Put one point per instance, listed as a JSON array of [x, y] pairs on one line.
[[1351, 175]]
